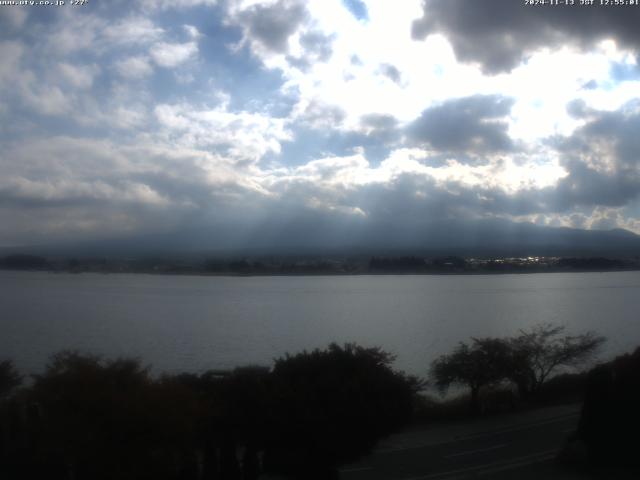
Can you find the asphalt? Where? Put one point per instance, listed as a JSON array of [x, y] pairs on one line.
[[510, 446]]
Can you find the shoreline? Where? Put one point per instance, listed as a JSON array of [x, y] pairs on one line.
[[321, 274]]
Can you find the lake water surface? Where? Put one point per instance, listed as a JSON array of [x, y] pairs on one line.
[[178, 323]]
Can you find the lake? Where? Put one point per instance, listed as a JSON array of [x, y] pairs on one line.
[[192, 323]]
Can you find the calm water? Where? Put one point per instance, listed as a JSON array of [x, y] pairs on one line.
[[195, 323]]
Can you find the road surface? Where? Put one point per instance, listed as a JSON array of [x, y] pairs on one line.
[[491, 448]]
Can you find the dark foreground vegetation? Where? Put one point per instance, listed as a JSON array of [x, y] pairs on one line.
[[87, 418], [608, 431], [525, 361], [539, 367]]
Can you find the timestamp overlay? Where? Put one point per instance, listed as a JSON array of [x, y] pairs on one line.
[[581, 3], [43, 3]]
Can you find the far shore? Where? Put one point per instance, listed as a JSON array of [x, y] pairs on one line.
[[300, 265], [196, 273]]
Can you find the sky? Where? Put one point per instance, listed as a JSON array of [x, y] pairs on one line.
[[314, 121]]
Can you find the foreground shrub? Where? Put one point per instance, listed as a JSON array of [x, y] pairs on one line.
[[9, 378], [610, 419], [332, 406], [90, 418]]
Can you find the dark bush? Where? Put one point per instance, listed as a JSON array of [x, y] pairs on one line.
[[9, 378], [89, 418], [103, 420], [332, 406], [564, 388], [610, 419]]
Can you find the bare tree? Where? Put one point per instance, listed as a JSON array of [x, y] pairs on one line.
[[539, 352], [481, 363], [527, 360]]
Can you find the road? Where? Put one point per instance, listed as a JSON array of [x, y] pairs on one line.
[[486, 449]]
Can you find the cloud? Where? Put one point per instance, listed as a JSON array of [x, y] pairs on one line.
[[71, 187], [27, 87], [269, 26], [13, 18], [170, 55], [75, 33], [67, 33], [333, 170], [585, 186], [134, 67], [378, 121], [381, 126], [316, 47], [240, 138], [80, 76], [499, 34], [319, 115], [286, 134], [602, 159], [391, 72], [192, 32], [45, 100], [91, 186], [175, 4], [132, 30], [12, 54], [473, 124]]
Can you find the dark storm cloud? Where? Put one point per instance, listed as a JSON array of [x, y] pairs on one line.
[[471, 124], [609, 138], [586, 186], [272, 25], [411, 199], [499, 33], [582, 188], [602, 159], [393, 211]]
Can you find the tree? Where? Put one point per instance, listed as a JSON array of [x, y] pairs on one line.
[[331, 406], [9, 378], [537, 353], [481, 363], [527, 360], [104, 419]]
